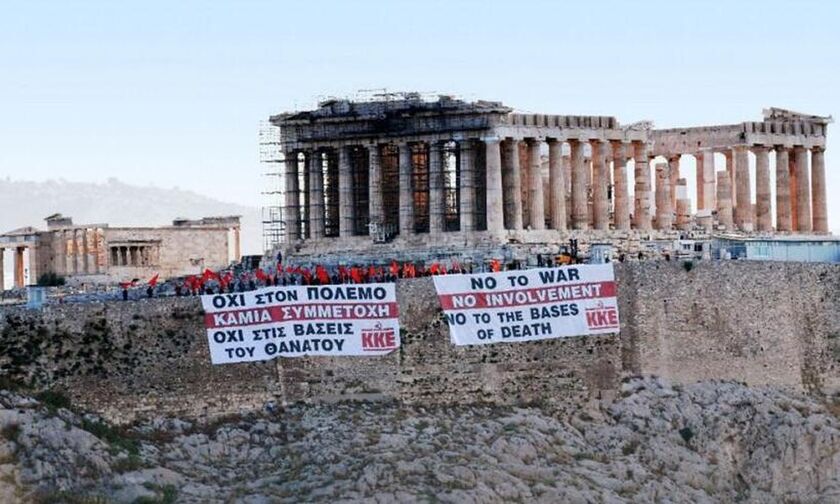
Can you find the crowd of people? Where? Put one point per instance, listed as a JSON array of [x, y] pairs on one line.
[[210, 282]]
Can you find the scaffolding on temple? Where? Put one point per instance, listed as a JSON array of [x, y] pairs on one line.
[[271, 156]]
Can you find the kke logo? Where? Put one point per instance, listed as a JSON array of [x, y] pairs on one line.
[[602, 317], [379, 338]]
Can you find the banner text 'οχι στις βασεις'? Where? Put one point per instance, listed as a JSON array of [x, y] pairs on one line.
[[293, 321], [529, 305]]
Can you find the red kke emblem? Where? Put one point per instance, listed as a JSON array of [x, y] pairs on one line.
[[602, 317], [378, 338]]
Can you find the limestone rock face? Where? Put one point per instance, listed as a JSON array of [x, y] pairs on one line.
[[707, 442]]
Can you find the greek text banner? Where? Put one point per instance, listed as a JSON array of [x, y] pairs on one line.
[[293, 321]]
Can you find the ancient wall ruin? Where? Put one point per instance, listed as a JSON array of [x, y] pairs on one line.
[[761, 323]]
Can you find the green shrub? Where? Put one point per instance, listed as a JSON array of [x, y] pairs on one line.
[[686, 433], [11, 432], [53, 400], [116, 439], [169, 496]]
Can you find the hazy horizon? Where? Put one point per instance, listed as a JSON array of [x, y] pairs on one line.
[[172, 94]]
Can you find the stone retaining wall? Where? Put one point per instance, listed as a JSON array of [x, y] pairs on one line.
[[761, 323]]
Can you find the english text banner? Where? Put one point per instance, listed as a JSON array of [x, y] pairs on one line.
[[529, 304]]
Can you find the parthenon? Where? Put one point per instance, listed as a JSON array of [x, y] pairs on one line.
[[410, 168]]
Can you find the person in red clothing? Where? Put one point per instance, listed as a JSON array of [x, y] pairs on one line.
[[356, 274], [323, 276]]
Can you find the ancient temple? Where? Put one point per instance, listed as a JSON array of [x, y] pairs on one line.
[[432, 172]]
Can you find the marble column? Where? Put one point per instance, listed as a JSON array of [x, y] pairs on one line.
[[237, 245], [375, 209], [556, 185], [683, 214], [437, 206], [535, 192], [674, 170], [292, 197], [764, 214], [641, 212], [664, 197], [32, 253], [346, 196], [567, 174], [466, 209], [93, 251], [305, 196], [406, 195], [525, 182], [730, 170], [724, 200], [743, 207], [783, 221], [818, 190], [316, 195], [78, 247], [580, 203], [20, 280], [803, 190], [513, 187], [493, 170], [83, 250], [705, 180], [69, 251], [600, 181], [699, 157], [621, 211], [794, 225]]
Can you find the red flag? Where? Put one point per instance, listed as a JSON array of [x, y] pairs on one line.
[[356, 275], [154, 280], [261, 274], [321, 273], [342, 273], [495, 266], [209, 275], [434, 269], [395, 269]]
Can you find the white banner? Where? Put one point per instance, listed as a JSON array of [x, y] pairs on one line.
[[302, 320], [529, 305]]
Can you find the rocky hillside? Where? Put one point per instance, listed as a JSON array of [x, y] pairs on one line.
[[709, 442]]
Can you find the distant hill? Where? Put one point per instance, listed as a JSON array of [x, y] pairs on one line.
[[25, 203]]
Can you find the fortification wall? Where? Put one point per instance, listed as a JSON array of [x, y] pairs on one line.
[[761, 323]]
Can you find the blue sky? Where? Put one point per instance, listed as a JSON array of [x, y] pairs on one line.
[[172, 93]]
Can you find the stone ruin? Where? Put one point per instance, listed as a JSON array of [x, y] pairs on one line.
[[450, 174]]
